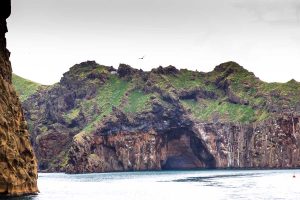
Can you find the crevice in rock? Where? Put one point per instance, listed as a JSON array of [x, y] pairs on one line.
[[186, 151]]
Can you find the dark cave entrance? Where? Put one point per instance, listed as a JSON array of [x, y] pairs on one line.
[[184, 150]]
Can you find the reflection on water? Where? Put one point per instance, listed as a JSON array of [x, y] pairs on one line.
[[175, 185], [31, 197], [214, 180], [212, 177]]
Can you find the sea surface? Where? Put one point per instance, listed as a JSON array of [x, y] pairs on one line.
[[170, 185]]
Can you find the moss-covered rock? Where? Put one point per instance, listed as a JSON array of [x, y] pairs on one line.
[[89, 115]]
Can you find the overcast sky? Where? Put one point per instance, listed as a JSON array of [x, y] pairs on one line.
[[47, 37]]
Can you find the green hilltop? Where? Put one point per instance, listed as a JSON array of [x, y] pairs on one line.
[[90, 95], [229, 93], [24, 87]]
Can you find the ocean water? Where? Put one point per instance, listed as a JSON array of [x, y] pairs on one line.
[[170, 185]]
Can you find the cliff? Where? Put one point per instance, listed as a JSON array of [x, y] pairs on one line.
[[18, 166], [99, 119]]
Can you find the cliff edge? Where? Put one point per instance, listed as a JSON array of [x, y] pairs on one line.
[[18, 165], [101, 119]]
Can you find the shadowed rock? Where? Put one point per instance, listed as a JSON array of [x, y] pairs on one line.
[[18, 166]]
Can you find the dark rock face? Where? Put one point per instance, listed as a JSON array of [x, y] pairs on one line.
[[5, 70], [126, 70], [53, 116], [150, 142], [137, 151], [166, 70], [97, 120], [18, 167], [272, 144]]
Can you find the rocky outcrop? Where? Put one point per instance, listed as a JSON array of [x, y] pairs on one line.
[[126, 70], [191, 145], [155, 141], [272, 144], [98, 119], [55, 114], [18, 166], [166, 70]]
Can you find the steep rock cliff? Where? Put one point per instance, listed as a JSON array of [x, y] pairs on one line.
[[121, 146], [99, 119], [18, 166]]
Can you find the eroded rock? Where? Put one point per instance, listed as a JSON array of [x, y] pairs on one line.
[[18, 165], [94, 120]]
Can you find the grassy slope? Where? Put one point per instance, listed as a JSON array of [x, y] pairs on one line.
[[124, 95], [138, 101], [129, 96], [186, 80], [208, 110], [244, 85], [24, 87], [109, 95]]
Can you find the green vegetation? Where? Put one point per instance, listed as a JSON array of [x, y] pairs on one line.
[[73, 114], [288, 92], [109, 95], [25, 88], [97, 70], [184, 80], [187, 79], [208, 110], [91, 96], [138, 101], [246, 86], [262, 115], [242, 83], [129, 97], [63, 158]]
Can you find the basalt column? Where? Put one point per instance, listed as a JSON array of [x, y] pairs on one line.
[[18, 166]]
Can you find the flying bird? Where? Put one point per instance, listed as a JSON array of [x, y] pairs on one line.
[[142, 58]]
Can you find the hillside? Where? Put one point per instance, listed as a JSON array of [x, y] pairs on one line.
[[98, 119], [24, 87]]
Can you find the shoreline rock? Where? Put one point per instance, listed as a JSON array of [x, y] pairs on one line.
[[18, 165]]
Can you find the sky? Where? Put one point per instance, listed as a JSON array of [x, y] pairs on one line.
[[48, 37]]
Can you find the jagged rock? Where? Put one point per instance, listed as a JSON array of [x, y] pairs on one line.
[[126, 70], [18, 167], [198, 93], [235, 99], [165, 70], [54, 116], [153, 142], [230, 68], [97, 121], [272, 144]]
